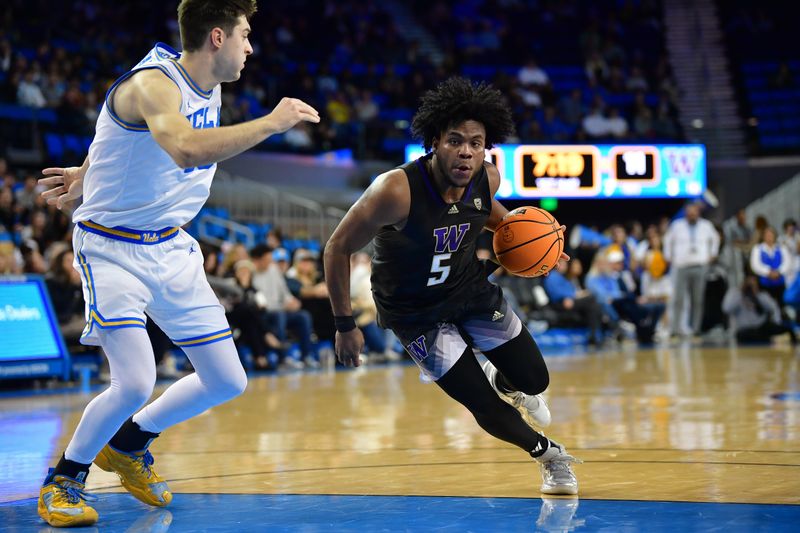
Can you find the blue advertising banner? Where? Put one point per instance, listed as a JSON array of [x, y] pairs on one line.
[[30, 340]]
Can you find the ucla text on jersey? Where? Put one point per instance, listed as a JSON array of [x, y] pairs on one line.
[[132, 181]]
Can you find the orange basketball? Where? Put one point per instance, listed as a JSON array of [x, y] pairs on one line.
[[528, 242]]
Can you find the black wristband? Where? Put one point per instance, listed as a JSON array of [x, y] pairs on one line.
[[344, 323]]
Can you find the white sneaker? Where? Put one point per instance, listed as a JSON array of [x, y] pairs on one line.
[[534, 405], [557, 476]]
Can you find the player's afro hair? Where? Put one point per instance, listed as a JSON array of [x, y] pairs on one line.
[[456, 100]]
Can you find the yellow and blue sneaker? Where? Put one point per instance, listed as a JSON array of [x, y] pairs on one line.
[[135, 471], [62, 502]]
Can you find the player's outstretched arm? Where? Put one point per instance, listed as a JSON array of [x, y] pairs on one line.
[[157, 100], [385, 203], [66, 183]]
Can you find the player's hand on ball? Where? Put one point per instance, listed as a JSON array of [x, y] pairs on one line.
[[289, 112], [67, 185], [349, 346], [564, 257]]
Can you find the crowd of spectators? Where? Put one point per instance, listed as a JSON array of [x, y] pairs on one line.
[[678, 279], [276, 301], [363, 72]]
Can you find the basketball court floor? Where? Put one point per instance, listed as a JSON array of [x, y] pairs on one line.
[[682, 438]]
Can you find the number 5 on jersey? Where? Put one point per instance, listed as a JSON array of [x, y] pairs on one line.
[[447, 240], [440, 271]]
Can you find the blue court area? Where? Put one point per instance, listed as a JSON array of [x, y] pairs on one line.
[[311, 513]]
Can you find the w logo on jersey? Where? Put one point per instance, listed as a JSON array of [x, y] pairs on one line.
[[417, 349], [449, 238]]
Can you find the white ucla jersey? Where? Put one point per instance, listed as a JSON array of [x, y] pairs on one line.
[[132, 182]]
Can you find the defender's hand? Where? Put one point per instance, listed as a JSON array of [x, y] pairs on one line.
[[68, 184], [289, 112], [349, 346]]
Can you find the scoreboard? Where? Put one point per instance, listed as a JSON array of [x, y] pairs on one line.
[[596, 170]]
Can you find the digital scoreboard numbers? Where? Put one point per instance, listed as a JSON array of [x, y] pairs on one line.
[[552, 171], [635, 164], [596, 171]]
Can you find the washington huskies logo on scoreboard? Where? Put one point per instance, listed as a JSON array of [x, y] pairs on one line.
[[682, 162]]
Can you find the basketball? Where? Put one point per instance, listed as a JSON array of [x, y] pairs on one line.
[[528, 242]]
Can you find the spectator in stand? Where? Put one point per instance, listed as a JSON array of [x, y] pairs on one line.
[[365, 107], [531, 74], [553, 129], [642, 311], [275, 238], [790, 239], [595, 124], [566, 297], [282, 258], [365, 312], [9, 215], [721, 276], [306, 271], [299, 138], [529, 95], [34, 234], [283, 310], [636, 81], [313, 291], [6, 177], [656, 285], [738, 241], [340, 114], [757, 236], [597, 70], [690, 245], [64, 287], [643, 124], [754, 314], [621, 242], [26, 195], [33, 260], [571, 108], [6, 55], [772, 263], [247, 314], [237, 252], [604, 284], [8, 262], [737, 233], [28, 92]]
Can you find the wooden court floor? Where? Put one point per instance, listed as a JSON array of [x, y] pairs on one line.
[[680, 424]]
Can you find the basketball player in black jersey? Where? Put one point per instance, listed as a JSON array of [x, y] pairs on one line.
[[429, 287]]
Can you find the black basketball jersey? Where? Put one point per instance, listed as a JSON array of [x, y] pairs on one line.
[[424, 272]]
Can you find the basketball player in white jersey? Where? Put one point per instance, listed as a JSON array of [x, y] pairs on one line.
[[148, 172]]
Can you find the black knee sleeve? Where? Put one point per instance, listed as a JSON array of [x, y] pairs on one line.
[[520, 364]]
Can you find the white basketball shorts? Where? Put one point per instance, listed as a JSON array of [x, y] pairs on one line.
[[127, 273]]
